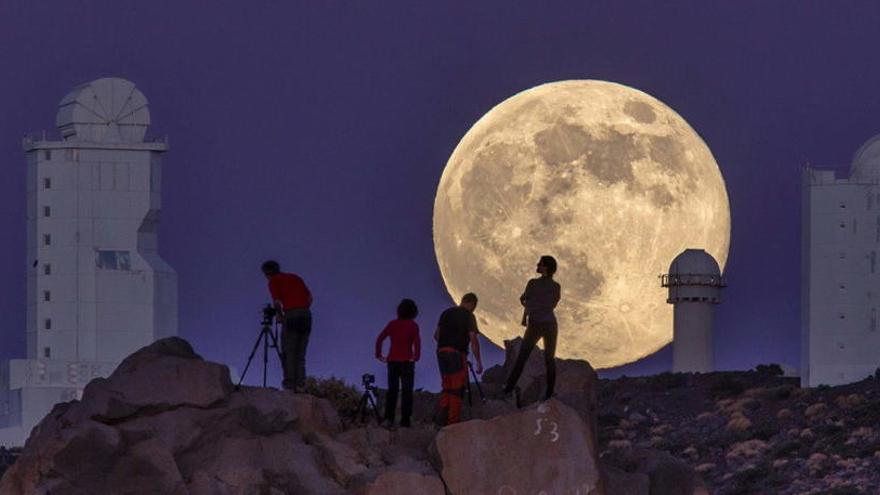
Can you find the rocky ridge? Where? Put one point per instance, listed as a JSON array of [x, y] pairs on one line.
[[166, 421]]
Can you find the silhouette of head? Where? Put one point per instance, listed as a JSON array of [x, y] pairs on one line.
[[407, 309], [270, 268], [549, 263], [469, 301]]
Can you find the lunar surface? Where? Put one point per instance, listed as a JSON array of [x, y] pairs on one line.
[[607, 179]]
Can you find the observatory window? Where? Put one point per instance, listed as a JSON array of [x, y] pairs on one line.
[[842, 225], [47, 211], [47, 324], [47, 239], [842, 205], [47, 154], [113, 260], [47, 269], [47, 353], [47, 183], [47, 296]]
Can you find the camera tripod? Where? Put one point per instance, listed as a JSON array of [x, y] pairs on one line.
[[367, 402], [266, 335], [476, 382]]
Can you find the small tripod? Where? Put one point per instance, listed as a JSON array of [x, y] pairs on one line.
[[367, 402], [476, 382], [266, 334]]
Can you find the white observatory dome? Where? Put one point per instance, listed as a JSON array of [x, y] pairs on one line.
[[866, 162], [694, 262], [108, 110]]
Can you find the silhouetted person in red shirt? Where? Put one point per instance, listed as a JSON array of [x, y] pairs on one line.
[[405, 350], [292, 301], [456, 330]]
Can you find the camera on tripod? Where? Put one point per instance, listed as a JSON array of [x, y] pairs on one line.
[[269, 313], [368, 380], [269, 339]]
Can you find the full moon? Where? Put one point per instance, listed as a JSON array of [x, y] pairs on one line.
[[608, 180]]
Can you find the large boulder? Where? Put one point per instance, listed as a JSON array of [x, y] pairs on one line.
[[547, 447], [162, 376], [576, 381], [168, 422]]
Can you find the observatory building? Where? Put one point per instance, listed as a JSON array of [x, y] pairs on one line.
[[840, 272], [694, 282], [97, 289]]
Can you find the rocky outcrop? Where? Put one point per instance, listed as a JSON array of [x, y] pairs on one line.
[[168, 422], [544, 448], [577, 384]]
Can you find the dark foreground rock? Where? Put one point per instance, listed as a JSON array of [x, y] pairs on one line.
[[544, 448], [168, 422]]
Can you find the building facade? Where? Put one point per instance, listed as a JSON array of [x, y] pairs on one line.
[[97, 289], [840, 271]]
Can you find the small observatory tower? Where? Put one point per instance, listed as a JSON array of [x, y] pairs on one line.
[[694, 282], [97, 289]]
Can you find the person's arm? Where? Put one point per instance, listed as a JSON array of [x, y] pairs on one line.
[[523, 299], [379, 340], [275, 292], [557, 295], [525, 295], [475, 348], [417, 345]]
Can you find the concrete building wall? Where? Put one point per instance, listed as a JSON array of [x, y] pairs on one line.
[[97, 289], [841, 278]]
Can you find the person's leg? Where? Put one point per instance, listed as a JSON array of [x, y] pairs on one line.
[[394, 370], [528, 344], [302, 326], [457, 383], [288, 354], [550, 333], [407, 378], [453, 374]]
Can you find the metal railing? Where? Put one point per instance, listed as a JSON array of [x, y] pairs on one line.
[[678, 279]]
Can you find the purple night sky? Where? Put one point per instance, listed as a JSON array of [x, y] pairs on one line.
[[316, 133]]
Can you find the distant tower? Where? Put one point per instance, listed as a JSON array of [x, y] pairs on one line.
[[840, 276], [694, 282], [97, 288]]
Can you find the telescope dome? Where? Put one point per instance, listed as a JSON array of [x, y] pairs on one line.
[[866, 162], [694, 262], [107, 110]]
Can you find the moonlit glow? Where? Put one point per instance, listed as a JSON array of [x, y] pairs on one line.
[[607, 179]]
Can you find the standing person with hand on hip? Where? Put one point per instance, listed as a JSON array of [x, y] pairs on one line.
[[292, 300], [456, 330], [539, 299], [402, 356]]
